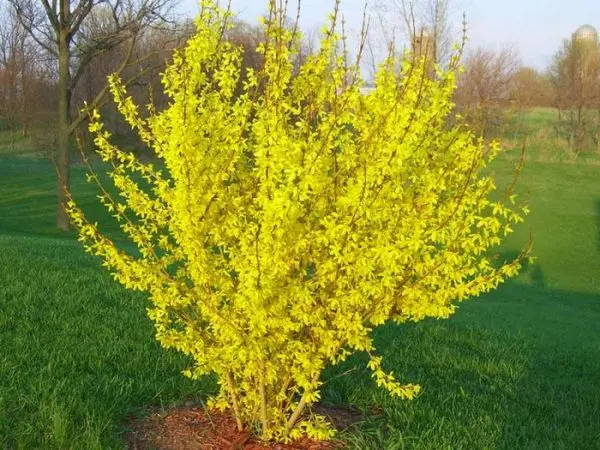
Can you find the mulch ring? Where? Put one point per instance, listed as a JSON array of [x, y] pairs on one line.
[[191, 428]]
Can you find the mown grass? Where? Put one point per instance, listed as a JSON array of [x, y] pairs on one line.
[[77, 353], [518, 368]]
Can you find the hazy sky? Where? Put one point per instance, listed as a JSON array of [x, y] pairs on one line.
[[535, 28]]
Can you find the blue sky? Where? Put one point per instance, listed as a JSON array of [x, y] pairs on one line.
[[535, 28]]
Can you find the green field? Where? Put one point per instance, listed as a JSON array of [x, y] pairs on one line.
[[516, 369]]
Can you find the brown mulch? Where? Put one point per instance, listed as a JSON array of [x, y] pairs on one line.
[[192, 428]]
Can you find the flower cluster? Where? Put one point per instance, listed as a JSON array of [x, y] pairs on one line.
[[292, 215]]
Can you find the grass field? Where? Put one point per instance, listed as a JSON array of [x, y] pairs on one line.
[[516, 369]]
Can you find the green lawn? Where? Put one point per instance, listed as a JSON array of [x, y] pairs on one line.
[[519, 368]]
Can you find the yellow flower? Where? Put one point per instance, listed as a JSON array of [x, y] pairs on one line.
[[296, 215]]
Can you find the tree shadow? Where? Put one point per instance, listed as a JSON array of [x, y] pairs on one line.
[[515, 369], [557, 399], [531, 273]]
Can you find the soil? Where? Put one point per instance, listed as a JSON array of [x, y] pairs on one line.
[[192, 428]]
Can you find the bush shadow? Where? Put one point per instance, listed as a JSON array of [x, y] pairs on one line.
[[515, 369]]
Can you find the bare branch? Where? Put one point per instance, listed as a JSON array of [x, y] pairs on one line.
[[52, 14]]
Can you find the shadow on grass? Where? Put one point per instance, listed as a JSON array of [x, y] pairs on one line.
[[518, 368]]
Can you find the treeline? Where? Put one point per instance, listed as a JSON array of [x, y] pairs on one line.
[[493, 85], [30, 76], [55, 58], [495, 88], [575, 78], [27, 78]]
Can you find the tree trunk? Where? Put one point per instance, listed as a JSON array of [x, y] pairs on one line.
[[64, 121]]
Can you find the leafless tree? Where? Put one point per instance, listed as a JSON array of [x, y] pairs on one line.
[[20, 72], [575, 75], [153, 48], [484, 89], [417, 21], [529, 89], [74, 33]]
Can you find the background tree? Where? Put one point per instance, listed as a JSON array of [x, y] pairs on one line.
[[21, 73], [575, 75], [529, 89], [297, 216], [485, 87], [418, 21], [153, 47], [74, 33]]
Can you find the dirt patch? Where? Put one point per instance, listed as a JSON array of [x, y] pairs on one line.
[[191, 428]]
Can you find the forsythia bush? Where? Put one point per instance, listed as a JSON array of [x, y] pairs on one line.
[[294, 215]]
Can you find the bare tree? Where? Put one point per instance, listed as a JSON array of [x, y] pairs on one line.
[[19, 70], [62, 28], [422, 23], [575, 76], [153, 48], [529, 89], [485, 87], [10, 43]]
